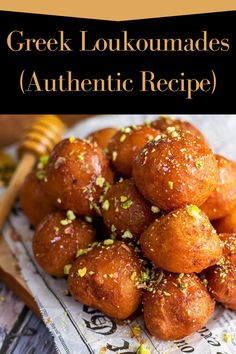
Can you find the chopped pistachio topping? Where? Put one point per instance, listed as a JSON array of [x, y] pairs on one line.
[[81, 157], [127, 204], [199, 164], [44, 160], [166, 293], [170, 130], [100, 181], [80, 252], [88, 218], [40, 174], [127, 234], [227, 337], [133, 276], [106, 205], [174, 134], [108, 242], [142, 350], [114, 155], [113, 228], [67, 269], [194, 211], [181, 275], [144, 277], [81, 272], [122, 138], [126, 130], [65, 222], [70, 215], [71, 139], [155, 209], [205, 282], [182, 286], [123, 198], [170, 185]]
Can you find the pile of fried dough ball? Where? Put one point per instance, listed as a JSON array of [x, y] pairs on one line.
[[138, 219]]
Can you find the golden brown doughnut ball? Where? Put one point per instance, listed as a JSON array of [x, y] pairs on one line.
[[102, 137], [125, 212], [223, 199], [165, 122], [178, 306], [57, 239], [102, 278], [76, 173], [222, 277], [175, 170], [33, 200], [182, 241], [125, 145], [226, 224]]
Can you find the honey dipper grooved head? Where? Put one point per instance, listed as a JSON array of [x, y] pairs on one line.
[[42, 136]]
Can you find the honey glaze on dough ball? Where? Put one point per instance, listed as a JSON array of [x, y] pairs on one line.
[[165, 122], [33, 200], [103, 278], [175, 170], [102, 137], [222, 277], [223, 199], [226, 224], [178, 306], [182, 241], [125, 212], [76, 173], [57, 239], [125, 145]]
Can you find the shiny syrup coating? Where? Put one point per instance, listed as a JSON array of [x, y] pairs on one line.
[[127, 214], [178, 306], [223, 199], [182, 241], [175, 170], [55, 245], [165, 122], [226, 224], [222, 277], [75, 175], [33, 200], [102, 137], [125, 145], [102, 279]]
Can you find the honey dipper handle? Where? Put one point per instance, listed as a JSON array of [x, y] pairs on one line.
[[25, 166]]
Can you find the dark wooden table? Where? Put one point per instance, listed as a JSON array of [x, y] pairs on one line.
[[21, 332]]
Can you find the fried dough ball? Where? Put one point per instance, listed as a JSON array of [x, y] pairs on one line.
[[57, 239], [33, 200], [125, 145], [182, 241], [102, 278], [223, 199], [165, 122], [102, 137], [175, 170], [178, 306], [125, 212], [222, 277], [226, 224], [76, 173]]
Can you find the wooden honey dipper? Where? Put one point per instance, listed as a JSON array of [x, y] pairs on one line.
[[39, 140]]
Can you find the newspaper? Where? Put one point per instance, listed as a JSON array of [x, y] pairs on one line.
[[79, 329]]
